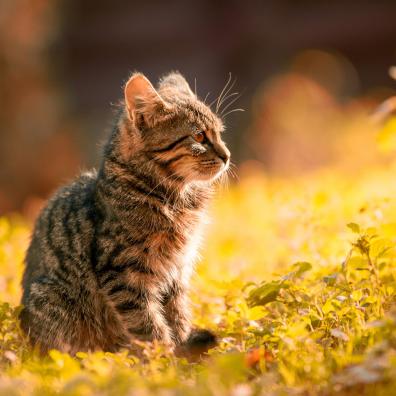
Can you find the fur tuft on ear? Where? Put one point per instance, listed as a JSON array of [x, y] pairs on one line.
[[141, 97], [175, 81]]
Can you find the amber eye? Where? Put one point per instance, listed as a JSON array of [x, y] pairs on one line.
[[199, 137]]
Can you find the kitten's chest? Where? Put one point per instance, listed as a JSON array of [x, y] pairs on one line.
[[163, 252], [175, 248]]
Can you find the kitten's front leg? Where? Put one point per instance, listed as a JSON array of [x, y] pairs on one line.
[[177, 313], [141, 312], [156, 321]]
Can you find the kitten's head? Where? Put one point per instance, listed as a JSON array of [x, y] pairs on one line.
[[178, 133]]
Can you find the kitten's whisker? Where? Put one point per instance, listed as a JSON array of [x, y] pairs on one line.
[[161, 182], [221, 93], [168, 198], [233, 174], [229, 96], [195, 86], [231, 170], [232, 111], [224, 88], [230, 103], [206, 97], [222, 181], [225, 180], [226, 95], [213, 102]]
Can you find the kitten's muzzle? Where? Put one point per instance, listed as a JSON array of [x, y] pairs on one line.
[[223, 153], [224, 157]]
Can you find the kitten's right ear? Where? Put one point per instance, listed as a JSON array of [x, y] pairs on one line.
[[141, 96], [175, 81]]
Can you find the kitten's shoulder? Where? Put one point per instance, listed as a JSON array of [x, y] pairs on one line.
[[77, 194], [81, 186]]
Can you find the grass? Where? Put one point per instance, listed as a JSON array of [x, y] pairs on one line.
[[297, 277]]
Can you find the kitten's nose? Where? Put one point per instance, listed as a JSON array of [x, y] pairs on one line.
[[223, 153]]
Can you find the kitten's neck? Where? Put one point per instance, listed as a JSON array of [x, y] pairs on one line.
[[136, 181]]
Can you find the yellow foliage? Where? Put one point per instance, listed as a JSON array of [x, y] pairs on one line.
[[324, 324]]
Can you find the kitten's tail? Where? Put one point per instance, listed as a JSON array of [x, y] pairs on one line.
[[198, 344]]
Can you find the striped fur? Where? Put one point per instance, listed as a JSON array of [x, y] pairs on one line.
[[112, 253]]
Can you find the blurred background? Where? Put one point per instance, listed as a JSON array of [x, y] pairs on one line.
[[309, 73]]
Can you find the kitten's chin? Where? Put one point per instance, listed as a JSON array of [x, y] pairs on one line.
[[210, 176], [201, 174]]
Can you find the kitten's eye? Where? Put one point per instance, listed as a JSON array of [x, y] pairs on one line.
[[199, 137]]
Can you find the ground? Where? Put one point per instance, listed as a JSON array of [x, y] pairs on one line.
[[297, 277]]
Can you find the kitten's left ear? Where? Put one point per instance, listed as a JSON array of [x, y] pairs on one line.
[[175, 81], [141, 97]]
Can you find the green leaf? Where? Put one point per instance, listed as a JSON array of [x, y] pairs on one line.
[[357, 262], [330, 280], [328, 307], [370, 300], [265, 293], [381, 246], [354, 227], [256, 313], [357, 295], [301, 267]]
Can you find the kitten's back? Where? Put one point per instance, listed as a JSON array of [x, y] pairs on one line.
[[60, 233]]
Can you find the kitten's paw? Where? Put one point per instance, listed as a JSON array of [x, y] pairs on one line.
[[197, 344]]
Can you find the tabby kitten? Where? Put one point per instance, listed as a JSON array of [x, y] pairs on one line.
[[112, 253]]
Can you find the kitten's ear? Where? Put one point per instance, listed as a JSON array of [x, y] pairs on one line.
[[141, 96], [175, 81]]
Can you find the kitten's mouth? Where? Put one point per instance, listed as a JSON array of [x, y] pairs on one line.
[[212, 169], [203, 171]]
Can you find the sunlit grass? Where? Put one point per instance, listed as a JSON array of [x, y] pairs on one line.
[[327, 326]]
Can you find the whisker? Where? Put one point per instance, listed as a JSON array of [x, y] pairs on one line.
[[220, 180], [231, 170], [206, 97], [221, 93], [232, 166], [195, 86], [232, 111], [233, 174], [229, 96], [161, 182], [213, 101], [230, 103], [224, 88], [168, 200], [225, 95], [223, 181]]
